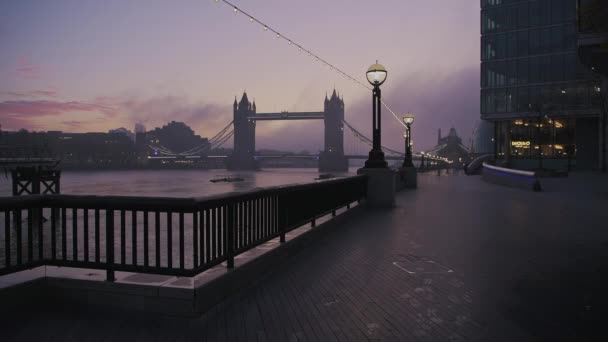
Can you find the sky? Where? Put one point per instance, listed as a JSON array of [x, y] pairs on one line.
[[89, 65]]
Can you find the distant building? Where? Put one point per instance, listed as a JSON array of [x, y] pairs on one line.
[[124, 131], [22, 143], [332, 158], [540, 98], [75, 150], [244, 135], [176, 137], [140, 128], [451, 147], [483, 138]]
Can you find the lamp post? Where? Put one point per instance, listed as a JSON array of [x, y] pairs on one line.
[[408, 120], [405, 136], [601, 93], [376, 75]]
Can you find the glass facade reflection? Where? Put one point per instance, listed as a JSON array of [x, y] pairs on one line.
[[530, 68], [531, 138]]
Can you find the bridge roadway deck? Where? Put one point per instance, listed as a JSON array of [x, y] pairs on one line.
[[524, 266]]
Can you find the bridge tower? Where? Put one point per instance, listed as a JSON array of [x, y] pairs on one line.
[[332, 158], [244, 135]]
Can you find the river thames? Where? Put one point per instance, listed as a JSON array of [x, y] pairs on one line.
[[174, 183]]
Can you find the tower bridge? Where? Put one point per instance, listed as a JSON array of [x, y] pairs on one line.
[[332, 158]]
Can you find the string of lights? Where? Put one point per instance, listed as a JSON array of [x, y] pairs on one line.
[[332, 67]]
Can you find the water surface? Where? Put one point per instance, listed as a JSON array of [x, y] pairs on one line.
[[173, 183]]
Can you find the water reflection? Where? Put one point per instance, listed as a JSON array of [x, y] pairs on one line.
[[174, 183]]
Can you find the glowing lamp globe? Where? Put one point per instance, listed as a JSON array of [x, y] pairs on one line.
[[376, 74], [408, 119]]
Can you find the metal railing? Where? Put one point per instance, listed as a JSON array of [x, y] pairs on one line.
[[168, 236]]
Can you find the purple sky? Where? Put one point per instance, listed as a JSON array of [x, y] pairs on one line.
[[88, 65]]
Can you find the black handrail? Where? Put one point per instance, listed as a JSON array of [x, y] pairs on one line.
[[160, 235]]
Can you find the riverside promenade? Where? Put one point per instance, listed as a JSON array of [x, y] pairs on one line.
[[456, 260]]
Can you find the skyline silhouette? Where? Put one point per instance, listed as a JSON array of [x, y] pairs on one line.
[[103, 69]]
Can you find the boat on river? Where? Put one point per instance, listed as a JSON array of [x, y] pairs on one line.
[[226, 178], [325, 176]]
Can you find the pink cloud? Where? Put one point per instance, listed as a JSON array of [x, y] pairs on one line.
[[47, 93], [28, 70], [33, 93], [73, 123], [12, 122], [17, 114], [24, 112], [204, 118]]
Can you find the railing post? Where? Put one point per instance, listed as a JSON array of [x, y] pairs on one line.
[[110, 245], [282, 217], [7, 238], [15, 179], [229, 240]]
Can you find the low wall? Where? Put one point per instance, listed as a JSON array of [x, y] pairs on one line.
[[157, 294], [476, 165], [551, 164], [511, 177]]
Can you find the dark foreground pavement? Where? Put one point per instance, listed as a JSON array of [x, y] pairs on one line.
[[456, 260]]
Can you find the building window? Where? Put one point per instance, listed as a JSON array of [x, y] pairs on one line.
[[569, 37], [557, 68], [501, 103], [488, 51], [557, 34], [522, 43], [534, 70], [523, 70], [500, 46], [570, 62], [523, 16], [512, 72], [535, 46], [511, 98], [523, 99], [553, 137], [511, 45]]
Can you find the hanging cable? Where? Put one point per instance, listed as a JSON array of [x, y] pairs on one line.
[[367, 141], [210, 143], [291, 42]]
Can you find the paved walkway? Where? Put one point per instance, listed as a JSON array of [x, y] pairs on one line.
[[457, 260]]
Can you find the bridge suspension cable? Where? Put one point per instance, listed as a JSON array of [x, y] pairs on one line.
[[215, 142], [211, 143], [332, 67], [366, 140], [224, 139]]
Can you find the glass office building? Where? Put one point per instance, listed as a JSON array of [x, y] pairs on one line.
[[593, 35], [544, 103]]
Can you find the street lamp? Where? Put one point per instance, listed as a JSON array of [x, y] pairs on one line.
[[376, 75], [602, 96], [408, 120], [405, 138]]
